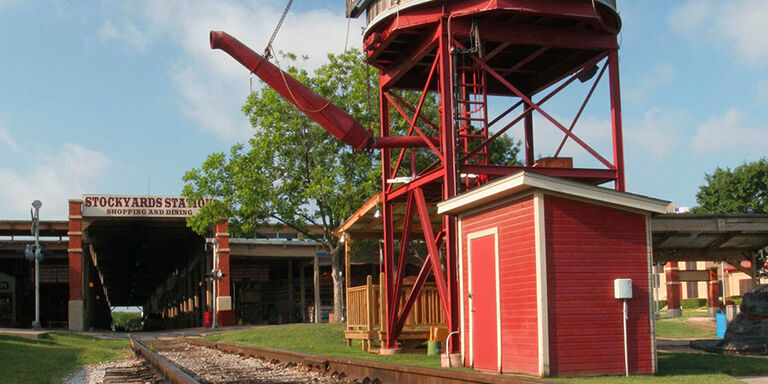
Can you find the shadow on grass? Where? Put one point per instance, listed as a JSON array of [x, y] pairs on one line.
[[674, 364], [21, 363], [44, 340], [48, 359]]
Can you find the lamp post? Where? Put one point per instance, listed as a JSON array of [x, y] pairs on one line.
[[38, 252], [215, 276]]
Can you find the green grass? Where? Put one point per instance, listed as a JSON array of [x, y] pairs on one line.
[[318, 339], [48, 359], [677, 328], [686, 368], [328, 340]]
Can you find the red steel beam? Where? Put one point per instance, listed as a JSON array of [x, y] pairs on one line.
[[409, 59], [432, 251], [581, 110], [402, 260], [618, 140]]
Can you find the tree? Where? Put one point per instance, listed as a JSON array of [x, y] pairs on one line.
[[292, 172], [741, 190]]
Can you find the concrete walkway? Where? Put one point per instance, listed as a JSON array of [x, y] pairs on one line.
[[21, 332]]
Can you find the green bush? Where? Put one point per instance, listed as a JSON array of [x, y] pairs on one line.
[[126, 321], [736, 299], [662, 304], [693, 303]]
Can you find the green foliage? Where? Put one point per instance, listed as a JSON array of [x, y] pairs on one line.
[[662, 303], [292, 172], [504, 151], [735, 299], [48, 359], [693, 303], [741, 190], [126, 321]]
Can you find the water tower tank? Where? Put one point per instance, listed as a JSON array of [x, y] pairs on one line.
[[512, 31]]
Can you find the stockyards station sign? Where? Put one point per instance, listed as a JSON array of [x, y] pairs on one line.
[[140, 206]]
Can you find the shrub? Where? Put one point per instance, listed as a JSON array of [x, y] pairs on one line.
[[693, 303], [735, 299], [662, 304], [126, 321]]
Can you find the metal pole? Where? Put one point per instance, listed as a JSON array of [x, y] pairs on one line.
[[626, 352], [656, 283], [722, 280], [215, 273]]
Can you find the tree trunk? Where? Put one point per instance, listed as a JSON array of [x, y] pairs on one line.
[[338, 287]]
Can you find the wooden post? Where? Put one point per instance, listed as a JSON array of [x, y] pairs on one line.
[[382, 297], [368, 310], [347, 252], [317, 288]]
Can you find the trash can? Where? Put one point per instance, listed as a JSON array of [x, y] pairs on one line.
[[722, 324], [208, 319]]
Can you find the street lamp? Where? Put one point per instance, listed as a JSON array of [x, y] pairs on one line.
[[38, 253], [215, 276]]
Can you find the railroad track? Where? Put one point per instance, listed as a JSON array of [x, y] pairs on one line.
[[197, 361]]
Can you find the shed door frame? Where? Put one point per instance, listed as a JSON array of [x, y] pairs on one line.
[[471, 236]]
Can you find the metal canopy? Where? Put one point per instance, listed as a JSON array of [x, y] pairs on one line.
[[730, 238]]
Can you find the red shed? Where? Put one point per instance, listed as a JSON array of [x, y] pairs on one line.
[[538, 259]]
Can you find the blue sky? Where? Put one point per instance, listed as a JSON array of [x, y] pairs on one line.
[[121, 97]]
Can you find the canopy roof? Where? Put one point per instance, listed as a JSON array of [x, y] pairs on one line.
[[692, 237]]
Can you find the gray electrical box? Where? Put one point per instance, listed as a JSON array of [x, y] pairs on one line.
[[622, 289]]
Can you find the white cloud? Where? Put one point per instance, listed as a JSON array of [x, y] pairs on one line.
[[647, 82], [126, 33], [51, 179], [657, 135], [211, 85], [738, 23], [6, 138], [727, 133]]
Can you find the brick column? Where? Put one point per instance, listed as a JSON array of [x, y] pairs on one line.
[[76, 308], [674, 293], [225, 312], [713, 292]]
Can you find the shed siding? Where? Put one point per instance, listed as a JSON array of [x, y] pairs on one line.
[[588, 246], [517, 253]]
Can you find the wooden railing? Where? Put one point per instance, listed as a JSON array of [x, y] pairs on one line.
[[365, 310]]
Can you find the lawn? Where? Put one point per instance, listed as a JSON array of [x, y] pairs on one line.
[[680, 328], [328, 339], [318, 339], [48, 359]]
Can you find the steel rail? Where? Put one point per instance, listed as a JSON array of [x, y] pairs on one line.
[[370, 370], [171, 371]]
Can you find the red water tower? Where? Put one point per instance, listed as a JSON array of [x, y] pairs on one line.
[[522, 52], [525, 52]]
